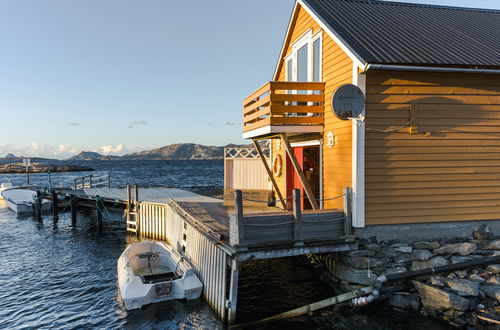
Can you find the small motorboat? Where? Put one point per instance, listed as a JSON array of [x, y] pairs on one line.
[[23, 200], [150, 272]]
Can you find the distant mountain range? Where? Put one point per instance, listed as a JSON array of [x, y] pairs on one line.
[[172, 151]]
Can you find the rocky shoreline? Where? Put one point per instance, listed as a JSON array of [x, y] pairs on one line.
[[469, 297], [12, 168]]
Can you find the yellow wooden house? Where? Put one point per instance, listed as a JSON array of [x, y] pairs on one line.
[[426, 149]]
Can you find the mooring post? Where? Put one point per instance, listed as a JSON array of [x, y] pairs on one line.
[[297, 214], [232, 303], [238, 210], [38, 206], [74, 209], [136, 210], [54, 204], [129, 203], [347, 211], [98, 203]]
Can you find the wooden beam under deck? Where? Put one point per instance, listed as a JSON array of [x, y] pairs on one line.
[[269, 173]]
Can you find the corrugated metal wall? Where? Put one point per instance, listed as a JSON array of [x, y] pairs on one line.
[[162, 222]]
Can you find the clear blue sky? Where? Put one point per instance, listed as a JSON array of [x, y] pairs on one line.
[[122, 75]]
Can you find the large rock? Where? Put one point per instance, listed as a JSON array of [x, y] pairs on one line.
[[353, 275], [493, 280], [495, 268], [440, 300], [426, 245], [433, 262], [463, 287], [457, 248], [491, 290], [415, 255], [405, 301], [360, 253], [395, 270], [366, 262], [493, 245], [387, 252], [483, 232], [402, 247], [475, 278]]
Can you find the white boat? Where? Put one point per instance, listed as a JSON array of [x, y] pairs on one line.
[[22, 200], [150, 272]]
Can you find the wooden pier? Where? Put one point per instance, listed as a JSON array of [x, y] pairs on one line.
[[217, 239]]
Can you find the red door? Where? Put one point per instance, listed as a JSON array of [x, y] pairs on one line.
[[292, 178]]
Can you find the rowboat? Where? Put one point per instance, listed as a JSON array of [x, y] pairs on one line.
[[150, 272], [23, 200]]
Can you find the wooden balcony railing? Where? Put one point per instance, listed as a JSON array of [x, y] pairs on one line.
[[280, 103]]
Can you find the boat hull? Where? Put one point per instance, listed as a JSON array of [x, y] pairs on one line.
[[138, 290], [22, 200]]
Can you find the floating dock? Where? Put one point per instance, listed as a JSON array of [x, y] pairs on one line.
[[217, 239]]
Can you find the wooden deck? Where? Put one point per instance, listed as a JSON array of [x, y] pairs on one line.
[[215, 238], [154, 195]]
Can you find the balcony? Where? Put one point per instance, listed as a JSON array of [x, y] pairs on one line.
[[284, 107]]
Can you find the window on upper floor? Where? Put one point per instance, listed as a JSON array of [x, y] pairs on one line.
[[304, 61]]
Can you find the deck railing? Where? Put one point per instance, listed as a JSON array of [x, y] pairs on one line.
[[293, 228], [92, 181], [280, 103]]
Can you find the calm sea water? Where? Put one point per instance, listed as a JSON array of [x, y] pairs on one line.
[[53, 275]]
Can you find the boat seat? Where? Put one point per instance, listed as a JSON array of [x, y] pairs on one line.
[[156, 278]]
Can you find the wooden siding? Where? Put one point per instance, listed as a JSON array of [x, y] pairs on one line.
[[336, 70], [449, 170]]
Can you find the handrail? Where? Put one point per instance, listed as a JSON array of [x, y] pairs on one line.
[[91, 181]]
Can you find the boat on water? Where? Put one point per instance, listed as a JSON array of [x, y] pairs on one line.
[[23, 200], [150, 272]]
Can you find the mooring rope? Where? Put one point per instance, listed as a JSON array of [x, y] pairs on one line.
[[97, 200], [323, 199], [267, 202], [268, 224]]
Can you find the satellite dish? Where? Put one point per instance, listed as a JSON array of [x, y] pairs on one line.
[[348, 101]]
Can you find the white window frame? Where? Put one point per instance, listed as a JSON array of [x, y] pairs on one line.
[[307, 38]]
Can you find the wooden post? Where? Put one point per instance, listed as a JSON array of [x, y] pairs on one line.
[[269, 173], [38, 206], [55, 216], [129, 203], [298, 169], [232, 303], [347, 211], [74, 182], [137, 217], [90, 181], [74, 209], [109, 179], [27, 174], [238, 211], [297, 214]]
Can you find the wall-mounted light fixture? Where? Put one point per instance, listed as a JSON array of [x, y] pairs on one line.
[[330, 139]]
